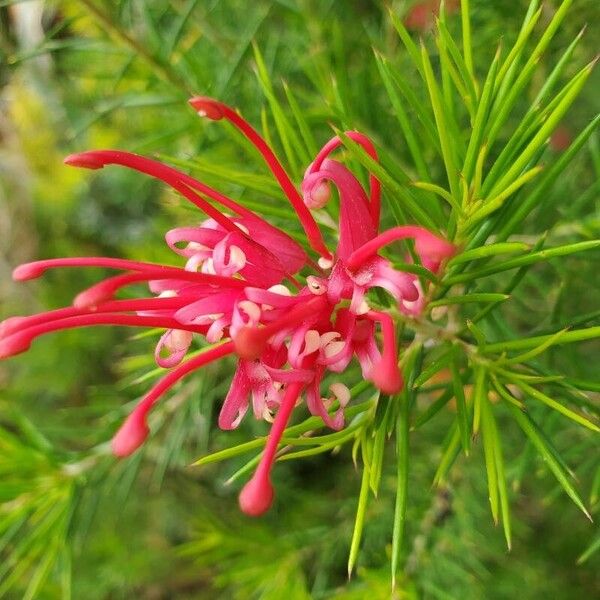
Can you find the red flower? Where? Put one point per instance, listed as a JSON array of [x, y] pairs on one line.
[[232, 291]]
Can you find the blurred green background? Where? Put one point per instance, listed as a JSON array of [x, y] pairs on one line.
[[88, 74]]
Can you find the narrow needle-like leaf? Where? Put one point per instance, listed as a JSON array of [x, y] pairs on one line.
[[361, 510], [461, 404]]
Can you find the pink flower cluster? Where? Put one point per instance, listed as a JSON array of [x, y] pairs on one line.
[[245, 288]]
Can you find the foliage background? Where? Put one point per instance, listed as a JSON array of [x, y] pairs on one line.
[[118, 74]]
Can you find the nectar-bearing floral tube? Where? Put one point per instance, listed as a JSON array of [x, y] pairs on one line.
[[231, 293]]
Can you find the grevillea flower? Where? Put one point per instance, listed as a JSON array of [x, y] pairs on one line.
[[249, 289]]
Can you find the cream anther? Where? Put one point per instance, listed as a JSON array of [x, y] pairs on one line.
[[312, 342], [325, 263], [316, 285], [251, 309], [341, 392], [280, 289], [237, 257]]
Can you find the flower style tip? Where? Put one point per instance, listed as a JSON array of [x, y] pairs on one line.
[[131, 435], [207, 107], [315, 192], [27, 271], [256, 496], [249, 342], [11, 345], [386, 376], [433, 247], [83, 160], [90, 298], [10, 325]]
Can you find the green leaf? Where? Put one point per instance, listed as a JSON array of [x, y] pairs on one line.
[[487, 251], [410, 46], [462, 415], [436, 366], [310, 424], [591, 549], [480, 121], [541, 136], [569, 337], [529, 127], [493, 204], [411, 137], [379, 438], [450, 75], [521, 358], [490, 450], [512, 89], [292, 146], [465, 14], [529, 259], [469, 298], [402, 458], [434, 408], [557, 406], [310, 144], [416, 269], [411, 368], [480, 395], [548, 178], [467, 81], [529, 22], [498, 491], [512, 284], [439, 191], [444, 127], [451, 449], [361, 510], [543, 446]]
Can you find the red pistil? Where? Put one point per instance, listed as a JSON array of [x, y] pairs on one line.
[[172, 177], [100, 158], [105, 289], [257, 495], [179, 181], [214, 110], [14, 324], [422, 237], [21, 340], [250, 342], [134, 430], [33, 270], [374, 185], [385, 374]]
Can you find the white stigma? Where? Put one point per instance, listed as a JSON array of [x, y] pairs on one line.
[[237, 257], [341, 392], [312, 342], [251, 309], [196, 246], [318, 196], [325, 263], [280, 289], [315, 285], [331, 344], [363, 308], [208, 268], [179, 340]]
